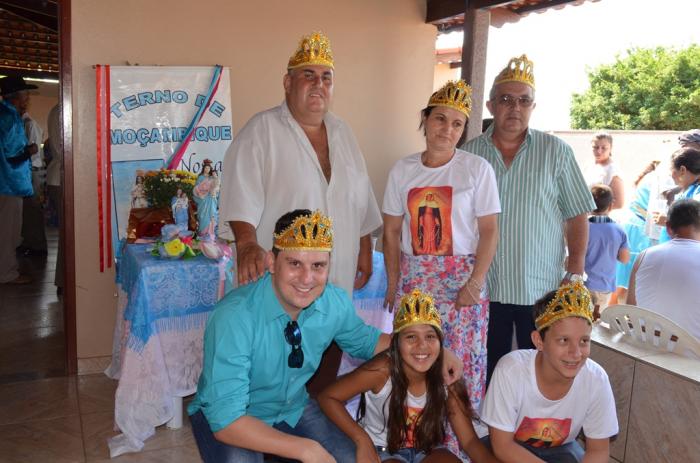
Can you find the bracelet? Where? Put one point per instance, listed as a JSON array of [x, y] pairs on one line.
[[474, 284]]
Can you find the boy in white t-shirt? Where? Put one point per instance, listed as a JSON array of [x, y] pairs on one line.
[[539, 400]]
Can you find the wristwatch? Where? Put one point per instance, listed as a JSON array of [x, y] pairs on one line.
[[574, 277]]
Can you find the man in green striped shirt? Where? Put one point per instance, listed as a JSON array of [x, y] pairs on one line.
[[544, 202]]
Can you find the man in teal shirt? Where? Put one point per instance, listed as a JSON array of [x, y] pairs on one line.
[[263, 343]]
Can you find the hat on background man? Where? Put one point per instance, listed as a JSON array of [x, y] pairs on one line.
[[12, 84]]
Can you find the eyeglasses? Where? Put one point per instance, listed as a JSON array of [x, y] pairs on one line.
[[292, 334], [511, 101]]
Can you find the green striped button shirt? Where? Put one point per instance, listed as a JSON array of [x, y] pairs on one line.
[[542, 188]]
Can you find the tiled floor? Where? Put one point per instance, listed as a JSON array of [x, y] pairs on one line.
[[45, 416]]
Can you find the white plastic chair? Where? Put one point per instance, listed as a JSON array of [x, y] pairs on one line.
[[650, 329]]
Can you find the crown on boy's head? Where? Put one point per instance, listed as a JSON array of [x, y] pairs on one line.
[[307, 233], [416, 308], [571, 300], [519, 69], [313, 49]]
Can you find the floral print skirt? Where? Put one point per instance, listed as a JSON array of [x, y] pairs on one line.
[[465, 328]]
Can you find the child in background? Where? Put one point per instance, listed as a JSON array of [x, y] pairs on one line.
[[539, 400], [607, 244], [405, 400]]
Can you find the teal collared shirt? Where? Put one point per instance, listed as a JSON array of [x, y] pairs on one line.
[[245, 368], [541, 189]]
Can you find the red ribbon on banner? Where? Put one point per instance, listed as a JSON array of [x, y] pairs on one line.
[[108, 173], [98, 118]]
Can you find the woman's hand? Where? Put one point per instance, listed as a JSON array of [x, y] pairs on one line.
[[469, 293], [389, 298], [315, 453]]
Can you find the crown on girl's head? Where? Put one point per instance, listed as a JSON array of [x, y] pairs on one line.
[[518, 70], [571, 300], [314, 49], [456, 95], [307, 233], [416, 308]]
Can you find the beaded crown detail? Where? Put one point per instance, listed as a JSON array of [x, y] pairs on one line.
[[416, 308], [518, 70], [456, 95], [571, 300], [314, 49], [307, 233]]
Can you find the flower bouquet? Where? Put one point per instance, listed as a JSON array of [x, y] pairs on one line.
[[162, 185]]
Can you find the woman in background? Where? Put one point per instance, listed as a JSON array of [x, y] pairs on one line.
[[605, 171]]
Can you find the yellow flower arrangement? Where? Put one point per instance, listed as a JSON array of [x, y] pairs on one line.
[[161, 185]]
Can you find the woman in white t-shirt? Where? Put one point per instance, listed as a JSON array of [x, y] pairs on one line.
[[605, 171], [440, 230]]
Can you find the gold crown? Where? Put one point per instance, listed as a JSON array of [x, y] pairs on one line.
[[417, 308], [518, 70], [307, 233], [312, 49], [455, 95], [571, 300]]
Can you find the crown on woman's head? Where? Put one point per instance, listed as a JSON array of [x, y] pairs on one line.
[[307, 233], [416, 308], [571, 300], [314, 49], [518, 70], [456, 95]]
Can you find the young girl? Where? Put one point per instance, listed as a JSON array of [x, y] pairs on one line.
[[406, 403]]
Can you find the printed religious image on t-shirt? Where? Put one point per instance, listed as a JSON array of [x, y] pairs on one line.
[[431, 220], [543, 432]]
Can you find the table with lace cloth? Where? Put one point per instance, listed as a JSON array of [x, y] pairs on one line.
[[163, 307]]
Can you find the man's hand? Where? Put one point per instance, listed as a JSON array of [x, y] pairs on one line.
[[315, 453], [251, 263], [452, 368], [364, 262], [32, 149], [366, 453]]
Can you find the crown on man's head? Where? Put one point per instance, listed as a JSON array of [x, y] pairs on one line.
[[416, 308], [456, 95], [307, 233], [519, 69], [313, 49], [571, 300]]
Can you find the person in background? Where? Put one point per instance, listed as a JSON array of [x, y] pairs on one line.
[[634, 227], [685, 171], [15, 174], [545, 204], [539, 400], [33, 220], [605, 171], [665, 277], [607, 244], [54, 179]]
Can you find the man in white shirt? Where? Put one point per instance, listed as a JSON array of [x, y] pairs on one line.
[[664, 277], [33, 228], [300, 156]]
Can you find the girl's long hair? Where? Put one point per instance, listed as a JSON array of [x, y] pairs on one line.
[[430, 426]]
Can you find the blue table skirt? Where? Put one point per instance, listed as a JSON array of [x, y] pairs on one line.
[[166, 294]]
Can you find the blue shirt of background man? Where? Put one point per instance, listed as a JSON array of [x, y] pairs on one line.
[[245, 368], [14, 181], [604, 242]]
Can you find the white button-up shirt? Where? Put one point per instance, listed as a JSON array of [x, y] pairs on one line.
[[271, 169]]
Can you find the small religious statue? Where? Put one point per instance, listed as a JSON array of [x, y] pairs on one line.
[[138, 192], [206, 196], [180, 205]]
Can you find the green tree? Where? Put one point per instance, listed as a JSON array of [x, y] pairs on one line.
[[648, 89]]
